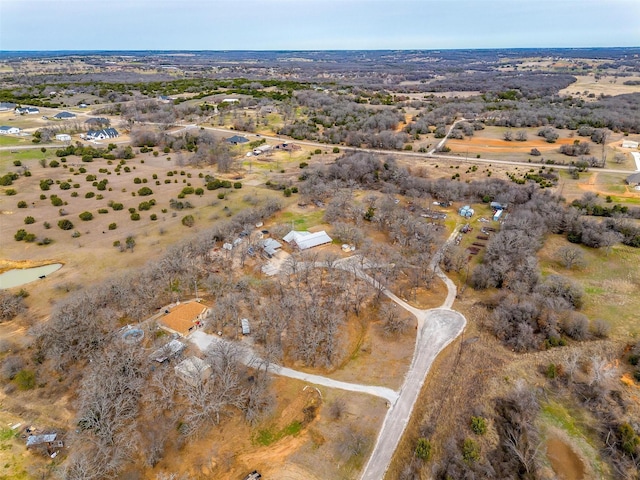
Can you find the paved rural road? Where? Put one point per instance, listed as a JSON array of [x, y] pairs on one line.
[[33, 146], [418, 155]]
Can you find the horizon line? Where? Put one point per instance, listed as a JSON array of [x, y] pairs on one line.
[[320, 49]]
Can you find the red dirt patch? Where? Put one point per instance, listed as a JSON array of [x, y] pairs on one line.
[[564, 461], [480, 144]]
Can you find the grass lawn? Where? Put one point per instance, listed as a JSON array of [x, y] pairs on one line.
[[301, 221], [6, 141]]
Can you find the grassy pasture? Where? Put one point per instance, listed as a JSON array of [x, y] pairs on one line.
[[610, 283], [10, 140]]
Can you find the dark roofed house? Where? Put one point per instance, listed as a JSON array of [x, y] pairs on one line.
[[64, 116], [102, 134], [633, 179], [270, 246], [4, 130], [4, 106], [98, 122], [236, 140]]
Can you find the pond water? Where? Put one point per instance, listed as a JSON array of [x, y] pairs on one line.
[[20, 276]]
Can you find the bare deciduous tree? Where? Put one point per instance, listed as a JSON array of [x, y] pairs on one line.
[[570, 256]]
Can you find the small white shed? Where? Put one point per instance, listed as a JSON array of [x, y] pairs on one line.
[[246, 330]]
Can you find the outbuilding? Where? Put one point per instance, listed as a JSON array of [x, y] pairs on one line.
[[63, 137], [306, 240], [246, 330], [629, 144], [193, 370], [169, 350]]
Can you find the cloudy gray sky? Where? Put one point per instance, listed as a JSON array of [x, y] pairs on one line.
[[315, 24]]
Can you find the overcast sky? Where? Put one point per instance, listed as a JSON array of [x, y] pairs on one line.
[[315, 24]]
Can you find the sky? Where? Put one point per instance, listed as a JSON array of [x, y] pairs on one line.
[[316, 24]]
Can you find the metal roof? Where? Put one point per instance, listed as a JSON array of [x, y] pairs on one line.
[[40, 439], [237, 139], [271, 246], [245, 326], [168, 350], [306, 240]]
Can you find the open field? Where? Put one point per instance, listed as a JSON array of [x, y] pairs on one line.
[[603, 184], [608, 281], [489, 143], [605, 85]]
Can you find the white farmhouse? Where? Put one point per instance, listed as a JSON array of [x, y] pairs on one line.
[[4, 130], [102, 134]]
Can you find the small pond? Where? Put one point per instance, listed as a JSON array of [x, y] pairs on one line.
[[21, 276]]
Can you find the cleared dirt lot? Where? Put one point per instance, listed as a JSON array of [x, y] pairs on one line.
[[489, 143]]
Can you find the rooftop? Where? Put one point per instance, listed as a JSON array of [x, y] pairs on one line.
[[182, 317], [305, 240], [168, 350]]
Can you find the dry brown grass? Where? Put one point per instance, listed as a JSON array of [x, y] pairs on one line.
[[606, 85]]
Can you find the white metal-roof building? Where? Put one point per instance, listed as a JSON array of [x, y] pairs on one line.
[[306, 240], [246, 330], [629, 144]]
